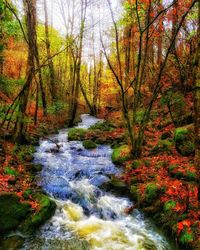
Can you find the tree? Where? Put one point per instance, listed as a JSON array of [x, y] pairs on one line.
[[197, 99], [30, 13], [143, 25], [53, 89], [77, 70]]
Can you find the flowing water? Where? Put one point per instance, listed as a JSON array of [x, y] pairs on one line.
[[87, 217]]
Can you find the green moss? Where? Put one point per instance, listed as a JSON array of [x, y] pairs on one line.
[[12, 211], [134, 192], [27, 193], [47, 209], [88, 144], [169, 205], [151, 192], [184, 140], [147, 163], [121, 154], [187, 148], [186, 238], [191, 176], [76, 134], [10, 171], [117, 183], [172, 167], [162, 146], [103, 126], [136, 164], [24, 152], [180, 134]]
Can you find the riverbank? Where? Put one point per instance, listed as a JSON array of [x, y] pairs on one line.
[[24, 205], [77, 178], [163, 182], [173, 207]]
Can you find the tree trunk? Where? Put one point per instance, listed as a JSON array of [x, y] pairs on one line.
[[53, 89], [73, 109], [30, 12]]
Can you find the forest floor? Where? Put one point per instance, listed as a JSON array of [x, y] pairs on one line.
[[162, 182]]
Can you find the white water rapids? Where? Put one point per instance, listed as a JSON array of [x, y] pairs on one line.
[[73, 177]]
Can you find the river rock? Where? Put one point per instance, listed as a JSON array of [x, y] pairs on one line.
[[58, 244], [11, 243]]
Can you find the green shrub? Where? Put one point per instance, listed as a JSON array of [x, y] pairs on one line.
[[76, 134]]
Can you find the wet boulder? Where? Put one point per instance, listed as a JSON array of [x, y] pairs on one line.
[[12, 211]]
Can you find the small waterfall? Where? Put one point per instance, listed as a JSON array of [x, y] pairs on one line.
[[87, 217]]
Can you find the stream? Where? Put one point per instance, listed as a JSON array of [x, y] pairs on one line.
[[87, 216]]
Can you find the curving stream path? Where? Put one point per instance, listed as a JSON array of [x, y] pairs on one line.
[[87, 217]]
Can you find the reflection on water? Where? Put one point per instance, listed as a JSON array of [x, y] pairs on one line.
[[74, 177]]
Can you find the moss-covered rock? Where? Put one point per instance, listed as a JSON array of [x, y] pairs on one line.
[[162, 146], [182, 173], [102, 140], [12, 211], [46, 210], [169, 205], [121, 154], [88, 144], [76, 134], [184, 140], [136, 164], [117, 183], [151, 192], [103, 126]]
